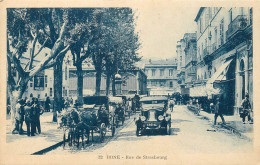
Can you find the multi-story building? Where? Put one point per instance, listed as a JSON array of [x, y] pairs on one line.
[[190, 58], [181, 62], [186, 54], [224, 54], [133, 82], [41, 85], [162, 77]]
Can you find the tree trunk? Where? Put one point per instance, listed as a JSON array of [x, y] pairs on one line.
[[57, 88], [98, 82], [113, 85], [108, 84], [80, 84]]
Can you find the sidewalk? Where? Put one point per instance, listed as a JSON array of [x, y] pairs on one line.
[[233, 123], [24, 145]]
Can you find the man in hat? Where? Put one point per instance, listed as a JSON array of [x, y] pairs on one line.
[[28, 116], [218, 112], [171, 104], [19, 116], [246, 108]]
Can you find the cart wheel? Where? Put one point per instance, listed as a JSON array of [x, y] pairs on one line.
[[113, 130], [69, 139]]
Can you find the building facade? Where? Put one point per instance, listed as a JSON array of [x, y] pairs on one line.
[[41, 85], [186, 53], [162, 78], [133, 82], [224, 53]]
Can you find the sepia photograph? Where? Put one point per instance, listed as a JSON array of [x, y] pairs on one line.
[[129, 83]]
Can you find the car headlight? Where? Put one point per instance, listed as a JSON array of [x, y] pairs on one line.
[[160, 118], [143, 118]]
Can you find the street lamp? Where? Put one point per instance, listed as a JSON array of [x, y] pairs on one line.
[[118, 84]]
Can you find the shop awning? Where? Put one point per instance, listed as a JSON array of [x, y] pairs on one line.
[[219, 74], [198, 91]]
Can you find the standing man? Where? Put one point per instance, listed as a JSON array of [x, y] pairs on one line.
[[247, 109], [47, 104], [218, 112], [19, 116], [33, 117], [28, 117], [39, 112]]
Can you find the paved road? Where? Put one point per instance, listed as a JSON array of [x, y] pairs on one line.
[[189, 134]]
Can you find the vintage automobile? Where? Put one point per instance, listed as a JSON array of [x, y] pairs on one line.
[[155, 115]]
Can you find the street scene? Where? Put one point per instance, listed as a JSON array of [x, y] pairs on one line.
[[107, 81]]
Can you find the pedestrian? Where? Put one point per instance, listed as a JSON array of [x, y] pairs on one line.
[[19, 116], [246, 109], [62, 103], [218, 110], [33, 117], [28, 116], [47, 104], [39, 112], [171, 104]]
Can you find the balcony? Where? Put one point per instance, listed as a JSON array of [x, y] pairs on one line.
[[207, 54], [237, 26]]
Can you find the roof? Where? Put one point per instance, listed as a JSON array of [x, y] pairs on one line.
[[199, 13]]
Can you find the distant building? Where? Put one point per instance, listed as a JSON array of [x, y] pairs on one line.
[[133, 82], [186, 53], [224, 54], [162, 77]]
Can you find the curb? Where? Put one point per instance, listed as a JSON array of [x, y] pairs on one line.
[[52, 147]]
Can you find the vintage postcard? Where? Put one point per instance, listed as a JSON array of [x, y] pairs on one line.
[[129, 82]]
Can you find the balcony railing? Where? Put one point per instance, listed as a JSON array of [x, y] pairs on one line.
[[238, 24]]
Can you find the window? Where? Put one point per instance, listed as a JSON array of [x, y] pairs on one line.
[[198, 77], [153, 72], [251, 16], [66, 73], [153, 83], [39, 95], [170, 72], [31, 84], [221, 31], [31, 95], [46, 94], [216, 36], [241, 10], [50, 91], [46, 80], [205, 75], [230, 15], [171, 84], [161, 72]]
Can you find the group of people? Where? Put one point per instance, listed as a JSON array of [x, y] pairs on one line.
[[245, 112], [29, 112]]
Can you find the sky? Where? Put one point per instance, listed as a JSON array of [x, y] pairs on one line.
[[161, 27]]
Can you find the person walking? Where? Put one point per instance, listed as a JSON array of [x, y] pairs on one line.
[[19, 116], [47, 104], [218, 112], [28, 116], [247, 109], [171, 104]]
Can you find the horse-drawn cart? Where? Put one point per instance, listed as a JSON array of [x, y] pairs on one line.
[[92, 118]]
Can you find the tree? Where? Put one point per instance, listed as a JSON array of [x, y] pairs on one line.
[[51, 28]]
